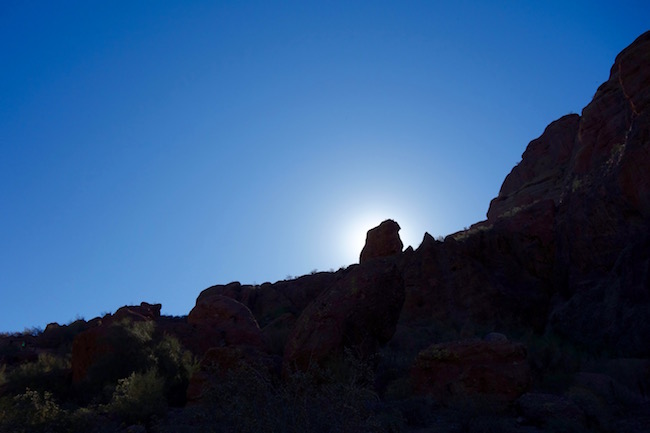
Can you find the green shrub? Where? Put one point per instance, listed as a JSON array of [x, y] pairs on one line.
[[130, 351], [48, 373], [138, 398], [251, 399], [31, 411], [175, 366]]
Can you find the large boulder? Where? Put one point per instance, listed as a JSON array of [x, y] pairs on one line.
[[382, 241], [223, 321], [359, 312], [269, 301], [144, 311]]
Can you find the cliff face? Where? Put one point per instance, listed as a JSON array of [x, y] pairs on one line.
[[594, 168]]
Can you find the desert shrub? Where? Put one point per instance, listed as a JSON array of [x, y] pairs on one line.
[[34, 331], [341, 399], [175, 366], [31, 411], [138, 354], [48, 373], [138, 398], [130, 351], [300, 404]]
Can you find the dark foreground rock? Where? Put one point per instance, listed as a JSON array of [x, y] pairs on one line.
[[496, 371]]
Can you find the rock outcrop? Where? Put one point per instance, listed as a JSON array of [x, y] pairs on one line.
[[96, 341], [223, 321], [359, 312], [562, 260], [565, 241], [382, 241]]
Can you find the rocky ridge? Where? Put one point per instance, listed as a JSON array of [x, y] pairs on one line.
[[563, 258]]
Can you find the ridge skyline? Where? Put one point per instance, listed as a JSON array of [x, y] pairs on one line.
[[109, 205]]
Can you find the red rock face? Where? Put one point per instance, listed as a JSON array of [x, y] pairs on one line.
[[382, 241], [358, 312], [542, 172], [223, 321], [91, 344], [567, 214], [86, 349], [454, 371]]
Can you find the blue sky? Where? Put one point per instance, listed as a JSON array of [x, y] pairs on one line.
[[152, 149]]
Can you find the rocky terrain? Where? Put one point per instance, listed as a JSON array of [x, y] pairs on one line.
[[535, 319]]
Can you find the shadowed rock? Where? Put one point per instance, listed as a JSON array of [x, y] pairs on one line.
[[454, 371], [359, 312], [222, 321], [382, 241]]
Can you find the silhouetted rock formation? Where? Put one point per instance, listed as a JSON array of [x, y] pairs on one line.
[[563, 258], [382, 241], [223, 321], [566, 241], [95, 342], [359, 312]]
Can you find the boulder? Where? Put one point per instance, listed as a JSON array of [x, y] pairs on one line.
[[382, 241], [223, 321], [56, 335], [359, 312], [269, 301], [144, 311]]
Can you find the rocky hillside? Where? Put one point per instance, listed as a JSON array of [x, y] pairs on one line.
[[533, 319]]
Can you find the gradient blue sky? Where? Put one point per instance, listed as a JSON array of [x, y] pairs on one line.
[[152, 149]]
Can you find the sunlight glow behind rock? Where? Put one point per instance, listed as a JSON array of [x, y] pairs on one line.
[[353, 236]]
